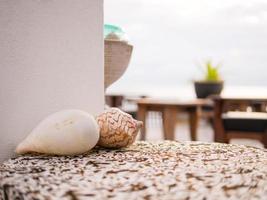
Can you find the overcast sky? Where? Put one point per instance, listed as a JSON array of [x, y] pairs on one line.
[[171, 37]]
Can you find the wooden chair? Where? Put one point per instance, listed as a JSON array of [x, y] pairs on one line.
[[251, 125], [119, 101], [114, 100]]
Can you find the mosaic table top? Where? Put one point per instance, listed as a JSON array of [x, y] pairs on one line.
[[165, 170]]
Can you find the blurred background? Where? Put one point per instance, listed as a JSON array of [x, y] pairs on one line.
[[175, 44], [172, 38]]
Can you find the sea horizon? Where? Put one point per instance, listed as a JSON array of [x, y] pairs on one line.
[[185, 91]]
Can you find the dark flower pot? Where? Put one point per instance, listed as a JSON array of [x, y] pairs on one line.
[[204, 89]]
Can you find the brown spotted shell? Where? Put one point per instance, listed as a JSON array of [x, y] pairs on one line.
[[117, 128]]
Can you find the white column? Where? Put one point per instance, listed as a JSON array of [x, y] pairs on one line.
[[51, 58]]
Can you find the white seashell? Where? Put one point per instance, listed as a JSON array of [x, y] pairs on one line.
[[66, 132], [117, 128]]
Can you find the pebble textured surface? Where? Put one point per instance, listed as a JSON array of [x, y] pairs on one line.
[[166, 170]]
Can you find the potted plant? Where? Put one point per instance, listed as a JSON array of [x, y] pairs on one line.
[[211, 84]]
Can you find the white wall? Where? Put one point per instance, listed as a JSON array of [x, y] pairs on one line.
[[51, 58]]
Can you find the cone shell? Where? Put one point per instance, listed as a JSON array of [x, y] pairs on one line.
[[67, 132], [117, 128]]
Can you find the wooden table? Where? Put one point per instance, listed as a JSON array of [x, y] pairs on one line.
[[169, 110]]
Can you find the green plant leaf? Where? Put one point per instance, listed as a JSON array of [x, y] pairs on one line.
[[212, 72]]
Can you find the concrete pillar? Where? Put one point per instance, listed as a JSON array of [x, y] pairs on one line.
[[51, 58]]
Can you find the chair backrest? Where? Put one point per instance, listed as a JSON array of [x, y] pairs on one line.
[[241, 104], [225, 104]]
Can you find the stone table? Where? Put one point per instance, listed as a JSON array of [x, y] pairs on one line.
[[165, 170]]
